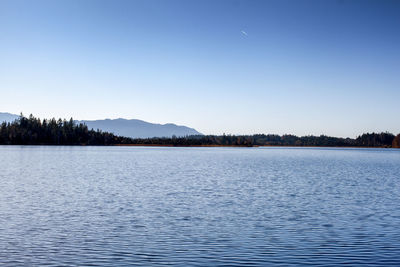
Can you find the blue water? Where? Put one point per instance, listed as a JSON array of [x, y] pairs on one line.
[[123, 206]]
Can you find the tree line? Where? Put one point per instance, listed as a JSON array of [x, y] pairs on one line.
[[366, 140], [33, 131]]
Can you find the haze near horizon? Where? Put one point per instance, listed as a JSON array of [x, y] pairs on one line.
[[235, 67]]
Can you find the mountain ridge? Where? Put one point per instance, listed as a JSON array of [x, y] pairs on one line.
[[7, 117], [134, 128]]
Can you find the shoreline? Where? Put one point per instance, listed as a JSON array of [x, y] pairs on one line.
[[155, 145], [177, 146]]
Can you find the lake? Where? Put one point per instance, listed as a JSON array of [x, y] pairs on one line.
[[123, 206]]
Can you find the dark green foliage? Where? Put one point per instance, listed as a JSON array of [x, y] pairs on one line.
[[375, 139], [396, 141], [33, 131], [367, 140]]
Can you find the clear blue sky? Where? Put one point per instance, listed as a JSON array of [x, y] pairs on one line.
[[238, 67]]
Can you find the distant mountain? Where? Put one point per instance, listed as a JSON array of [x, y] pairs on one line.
[[7, 117], [139, 129], [128, 128]]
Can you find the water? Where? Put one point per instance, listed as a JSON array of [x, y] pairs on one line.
[[123, 206]]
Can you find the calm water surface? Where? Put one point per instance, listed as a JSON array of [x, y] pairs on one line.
[[123, 206]]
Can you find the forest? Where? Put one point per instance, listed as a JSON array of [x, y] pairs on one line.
[[33, 131], [386, 140]]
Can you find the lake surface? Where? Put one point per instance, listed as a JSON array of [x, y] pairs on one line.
[[123, 206]]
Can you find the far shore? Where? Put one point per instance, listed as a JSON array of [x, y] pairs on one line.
[[155, 145], [33, 131]]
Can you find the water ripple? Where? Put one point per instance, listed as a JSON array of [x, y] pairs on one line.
[[124, 206]]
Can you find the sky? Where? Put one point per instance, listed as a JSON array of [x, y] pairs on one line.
[[234, 67]]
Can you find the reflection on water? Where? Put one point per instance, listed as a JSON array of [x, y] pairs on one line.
[[116, 206]]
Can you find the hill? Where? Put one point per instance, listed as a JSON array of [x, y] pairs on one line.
[[128, 128], [139, 129], [8, 117]]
